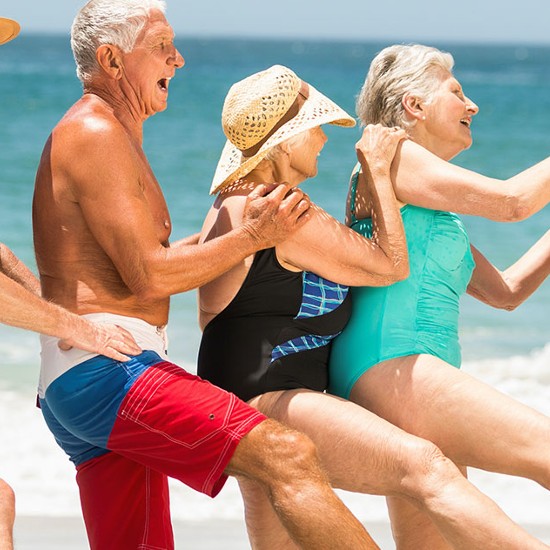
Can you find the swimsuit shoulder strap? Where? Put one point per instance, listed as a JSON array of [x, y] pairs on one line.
[[353, 193]]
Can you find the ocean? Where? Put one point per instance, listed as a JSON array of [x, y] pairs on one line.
[[510, 350]]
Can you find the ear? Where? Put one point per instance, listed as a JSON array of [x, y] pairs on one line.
[[109, 60], [285, 148], [413, 107]]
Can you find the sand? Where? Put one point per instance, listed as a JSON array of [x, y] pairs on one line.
[[41, 533]]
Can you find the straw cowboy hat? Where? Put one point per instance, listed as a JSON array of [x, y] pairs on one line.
[[9, 29], [262, 111]]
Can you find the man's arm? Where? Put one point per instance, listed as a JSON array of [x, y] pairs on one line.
[[21, 306], [124, 214], [16, 270]]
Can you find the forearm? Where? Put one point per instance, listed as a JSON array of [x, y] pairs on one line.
[[20, 307], [185, 267], [388, 232], [186, 241], [530, 190], [15, 269], [529, 272], [423, 179], [510, 288]]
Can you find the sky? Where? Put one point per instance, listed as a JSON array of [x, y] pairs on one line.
[[478, 21]]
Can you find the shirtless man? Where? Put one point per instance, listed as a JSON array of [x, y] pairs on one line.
[[21, 306], [102, 242]]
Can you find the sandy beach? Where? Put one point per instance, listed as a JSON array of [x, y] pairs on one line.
[[42, 533]]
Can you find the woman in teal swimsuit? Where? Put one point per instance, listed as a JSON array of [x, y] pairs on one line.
[[398, 354]]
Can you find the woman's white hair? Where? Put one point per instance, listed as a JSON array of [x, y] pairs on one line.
[[394, 72], [116, 22]]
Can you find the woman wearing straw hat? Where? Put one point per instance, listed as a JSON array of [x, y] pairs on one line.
[[268, 322]]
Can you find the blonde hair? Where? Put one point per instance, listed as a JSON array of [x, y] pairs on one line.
[[394, 72], [116, 22]]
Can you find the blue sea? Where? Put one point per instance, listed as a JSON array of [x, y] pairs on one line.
[[511, 85]]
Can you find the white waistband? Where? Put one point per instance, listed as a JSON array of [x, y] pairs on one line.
[[55, 362]]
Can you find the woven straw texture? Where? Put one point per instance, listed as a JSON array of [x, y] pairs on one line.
[[252, 109]]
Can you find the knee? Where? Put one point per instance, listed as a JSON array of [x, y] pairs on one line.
[[428, 470], [290, 453]]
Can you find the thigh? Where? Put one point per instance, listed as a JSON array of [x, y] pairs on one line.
[[181, 425], [360, 451], [471, 422], [125, 504]]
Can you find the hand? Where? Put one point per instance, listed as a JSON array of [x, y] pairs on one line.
[[378, 145], [109, 340], [274, 212]]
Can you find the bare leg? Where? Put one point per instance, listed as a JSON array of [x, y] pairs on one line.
[[362, 452], [7, 515], [412, 528], [285, 464], [262, 523], [472, 423]]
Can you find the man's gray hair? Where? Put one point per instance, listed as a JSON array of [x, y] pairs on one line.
[[116, 22], [394, 72]]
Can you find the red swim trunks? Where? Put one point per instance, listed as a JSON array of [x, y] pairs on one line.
[[136, 423]]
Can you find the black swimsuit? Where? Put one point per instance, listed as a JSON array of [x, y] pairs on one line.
[[276, 332]]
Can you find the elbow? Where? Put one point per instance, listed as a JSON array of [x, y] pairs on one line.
[[509, 301], [147, 293], [398, 271], [401, 267], [506, 300], [517, 207], [507, 305], [149, 288]]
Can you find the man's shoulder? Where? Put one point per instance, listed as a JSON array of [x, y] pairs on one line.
[[85, 122]]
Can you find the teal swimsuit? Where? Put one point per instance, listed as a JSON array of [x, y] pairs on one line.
[[417, 315]]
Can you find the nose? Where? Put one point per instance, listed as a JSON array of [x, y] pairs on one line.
[[177, 59], [471, 107]]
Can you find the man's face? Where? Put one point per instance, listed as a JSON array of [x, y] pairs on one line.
[[148, 68]]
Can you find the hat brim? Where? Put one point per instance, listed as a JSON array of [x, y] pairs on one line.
[[9, 29], [317, 110]]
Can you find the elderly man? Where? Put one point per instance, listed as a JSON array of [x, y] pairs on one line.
[[21, 306], [102, 242]]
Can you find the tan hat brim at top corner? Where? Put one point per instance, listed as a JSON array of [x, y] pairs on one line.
[[9, 29]]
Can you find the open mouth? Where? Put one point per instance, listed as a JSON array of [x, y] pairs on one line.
[[163, 84], [467, 122]]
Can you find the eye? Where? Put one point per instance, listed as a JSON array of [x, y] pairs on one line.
[[460, 94]]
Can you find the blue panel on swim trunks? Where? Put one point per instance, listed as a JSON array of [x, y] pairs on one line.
[[320, 296]]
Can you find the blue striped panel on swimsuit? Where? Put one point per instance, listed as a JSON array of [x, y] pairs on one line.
[[319, 297]]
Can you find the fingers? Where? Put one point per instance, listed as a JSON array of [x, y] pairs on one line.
[[110, 340], [130, 345], [115, 355], [64, 345], [265, 189]]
